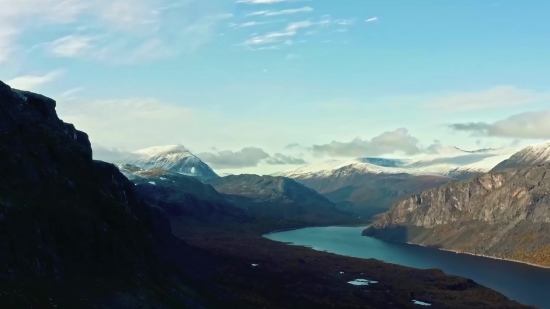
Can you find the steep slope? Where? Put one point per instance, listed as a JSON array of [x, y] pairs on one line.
[[372, 185], [504, 214], [66, 220], [529, 156], [369, 192], [183, 198], [279, 197], [173, 158]]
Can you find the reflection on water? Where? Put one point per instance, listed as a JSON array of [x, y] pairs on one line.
[[524, 283]]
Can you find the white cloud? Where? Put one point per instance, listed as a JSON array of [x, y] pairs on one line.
[[269, 38], [70, 93], [70, 46], [282, 12], [500, 96], [297, 25], [529, 125], [372, 19], [248, 24], [290, 11], [399, 140], [345, 22], [290, 30], [127, 28], [33, 82]]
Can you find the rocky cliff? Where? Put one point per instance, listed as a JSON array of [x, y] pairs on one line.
[[503, 214]]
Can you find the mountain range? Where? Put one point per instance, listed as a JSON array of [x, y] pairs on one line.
[[504, 213], [77, 233]]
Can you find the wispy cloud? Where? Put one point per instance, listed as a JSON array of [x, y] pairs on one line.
[[496, 97], [248, 24], [33, 82], [70, 93], [345, 22], [282, 12], [290, 30], [126, 27], [371, 19], [70, 46]]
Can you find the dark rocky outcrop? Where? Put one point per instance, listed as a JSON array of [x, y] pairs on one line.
[[60, 211], [504, 214]]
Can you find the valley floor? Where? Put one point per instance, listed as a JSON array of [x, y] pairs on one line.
[[267, 274]]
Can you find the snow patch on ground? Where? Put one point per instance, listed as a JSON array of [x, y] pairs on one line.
[[153, 183], [421, 303], [361, 282]]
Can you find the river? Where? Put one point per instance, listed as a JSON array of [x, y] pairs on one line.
[[523, 283]]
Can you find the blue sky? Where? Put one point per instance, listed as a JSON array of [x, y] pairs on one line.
[[358, 77]]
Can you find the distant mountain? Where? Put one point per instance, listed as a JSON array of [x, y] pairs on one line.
[[374, 184], [529, 156], [183, 198], [174, 158], [279, 197], [503, 214]]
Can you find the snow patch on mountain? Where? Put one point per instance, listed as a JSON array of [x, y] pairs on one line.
[[528, 156], [173, 158], [445, 161]]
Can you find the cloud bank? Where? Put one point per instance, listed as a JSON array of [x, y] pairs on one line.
[[529, 125], [388, 142]]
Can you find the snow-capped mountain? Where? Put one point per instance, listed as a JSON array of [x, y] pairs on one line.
[[374, 184], [528, 156], [173, 158], [446, 161]]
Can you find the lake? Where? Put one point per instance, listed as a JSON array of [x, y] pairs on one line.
[[523, 283]]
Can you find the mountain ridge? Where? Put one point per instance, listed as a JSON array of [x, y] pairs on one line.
[[504, 214]]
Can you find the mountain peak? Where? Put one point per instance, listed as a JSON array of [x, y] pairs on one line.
[[173, 158]]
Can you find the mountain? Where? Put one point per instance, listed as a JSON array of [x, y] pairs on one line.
[[75, 234], [374, 184], [173, 158], [279, 197], [184, 199], [68, 222], [529, 156], [504, 214]]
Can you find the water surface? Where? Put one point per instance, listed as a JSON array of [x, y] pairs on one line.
[[523, 283]]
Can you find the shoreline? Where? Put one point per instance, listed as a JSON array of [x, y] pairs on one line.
[[414, 244], [480, 255]]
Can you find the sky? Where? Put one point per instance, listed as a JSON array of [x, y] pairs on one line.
[[260, 86]]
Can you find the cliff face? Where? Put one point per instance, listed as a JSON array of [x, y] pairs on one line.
[[59, 209], [503, 214]]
